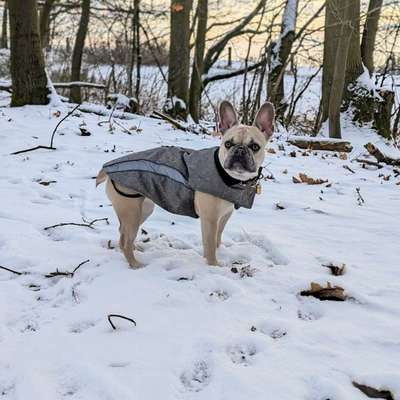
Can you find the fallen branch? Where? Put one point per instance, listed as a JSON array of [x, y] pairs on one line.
[[70, 85], [348, 169], [322, 144], [65, 273], [172, 121], [368, 162], [84, 224], [51, 147], [13, 271], [380, 155], [119, 316]]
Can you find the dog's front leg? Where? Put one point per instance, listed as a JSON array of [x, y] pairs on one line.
[[209, 231]]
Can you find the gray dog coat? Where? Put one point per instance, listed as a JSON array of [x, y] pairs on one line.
[[169, 176]]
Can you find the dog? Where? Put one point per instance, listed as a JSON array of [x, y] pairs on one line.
[[207, 184]]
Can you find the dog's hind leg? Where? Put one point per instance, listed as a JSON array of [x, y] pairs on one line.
[[130, 215]]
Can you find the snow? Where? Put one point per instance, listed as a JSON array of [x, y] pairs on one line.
[[202, 332]]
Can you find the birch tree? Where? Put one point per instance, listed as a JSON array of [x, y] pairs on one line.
[[280, 52]]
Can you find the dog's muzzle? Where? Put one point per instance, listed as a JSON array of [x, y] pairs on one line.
[[240, 159]]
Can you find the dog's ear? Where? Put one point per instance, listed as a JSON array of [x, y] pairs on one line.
[[227, 116], [264, 119]]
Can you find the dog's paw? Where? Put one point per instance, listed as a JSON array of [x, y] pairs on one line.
[[136, 264]]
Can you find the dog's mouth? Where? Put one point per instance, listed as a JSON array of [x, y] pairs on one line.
[[240, 164]]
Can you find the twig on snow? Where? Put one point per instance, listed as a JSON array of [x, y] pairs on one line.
[[110, 316], [349, 169], [51, 147], [12, 271], [65, 273], [360, 199], [86, 224]]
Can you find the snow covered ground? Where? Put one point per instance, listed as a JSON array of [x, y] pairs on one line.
[[202, 332]]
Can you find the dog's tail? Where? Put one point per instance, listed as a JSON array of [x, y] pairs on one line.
[[101, 177]]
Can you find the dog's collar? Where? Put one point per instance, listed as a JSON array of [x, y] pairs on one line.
[[229, 180]]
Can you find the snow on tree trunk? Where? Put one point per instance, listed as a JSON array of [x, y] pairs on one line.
[[279, 55]]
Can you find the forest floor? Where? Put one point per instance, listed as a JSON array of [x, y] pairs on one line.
[[240, 331]]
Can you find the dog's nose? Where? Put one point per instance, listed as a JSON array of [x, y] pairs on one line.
[[240, 151]]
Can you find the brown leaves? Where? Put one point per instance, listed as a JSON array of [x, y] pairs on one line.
[[336, 270], [335, 293], [303, 178]]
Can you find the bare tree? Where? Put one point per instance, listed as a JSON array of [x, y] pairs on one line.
[[280, 52], [3, 38], [198, 62], [28, 75], [45, 22], [135, 56], [179, 57], [339, 75], [333, 17], [369, 34], [354, 66], [75, 94]]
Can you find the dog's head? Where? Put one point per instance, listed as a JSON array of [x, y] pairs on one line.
[[242, 149]]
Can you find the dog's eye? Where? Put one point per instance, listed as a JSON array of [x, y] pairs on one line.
[[255, 147], [228, 144]]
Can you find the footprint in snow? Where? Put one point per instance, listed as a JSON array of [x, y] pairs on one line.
[[197, 378], [264, 244], [242, 354], [82, 326]]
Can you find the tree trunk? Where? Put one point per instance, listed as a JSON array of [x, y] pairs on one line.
[[45, 23], [179, 58], [198, 63], [354, 62], [3, 39], [29, 80], [333, 18], [138, 52], [369, 34], [135, 56], [280, 52], [339, 74], [75, 93]]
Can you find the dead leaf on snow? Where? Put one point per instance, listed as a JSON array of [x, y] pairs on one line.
[[335, 293], [373, 393], [272, 151], [303, 178], [336, 270], [343, 156], [285, 171], [279, 206]]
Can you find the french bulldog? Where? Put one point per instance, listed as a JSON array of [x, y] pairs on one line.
[[239, 158]]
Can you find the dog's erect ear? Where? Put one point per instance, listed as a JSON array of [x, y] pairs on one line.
[[227, 116], [264, 119]]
